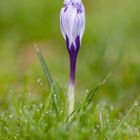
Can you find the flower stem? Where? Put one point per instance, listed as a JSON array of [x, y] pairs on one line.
[[71, 88], [70, 99]]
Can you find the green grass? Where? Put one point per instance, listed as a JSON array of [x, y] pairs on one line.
[[109, 57], [34, 118]]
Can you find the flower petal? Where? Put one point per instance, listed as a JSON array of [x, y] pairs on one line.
[[72, 20]]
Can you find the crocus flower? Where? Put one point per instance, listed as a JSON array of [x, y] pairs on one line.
[[72, 24]]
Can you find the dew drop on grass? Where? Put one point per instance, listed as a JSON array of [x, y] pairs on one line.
[[2, 114], [87, 90], [94, 130], [118, 121], [11, 116], [17, 134], [111, 108], [7, 129], [11, 92], [40, 105], [55, 97], [39, 81], [38, 110], [24, 107], [136, 103], [108, 120], [29, 93], [46, 113]]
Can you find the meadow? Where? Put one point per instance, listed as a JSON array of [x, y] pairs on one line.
[[107, 76]]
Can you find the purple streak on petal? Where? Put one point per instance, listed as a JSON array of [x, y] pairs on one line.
[[65, 9], [79, 8], [73, 52], [67, 43], [73, 58], [77, 42]]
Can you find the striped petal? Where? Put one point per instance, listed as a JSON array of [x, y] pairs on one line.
[[72, 20]]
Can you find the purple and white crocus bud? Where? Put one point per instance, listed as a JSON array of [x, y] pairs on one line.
[[72, 23]]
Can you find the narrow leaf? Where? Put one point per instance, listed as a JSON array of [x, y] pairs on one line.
[[49, 78]]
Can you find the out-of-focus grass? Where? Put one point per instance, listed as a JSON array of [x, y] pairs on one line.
[[111, 43]]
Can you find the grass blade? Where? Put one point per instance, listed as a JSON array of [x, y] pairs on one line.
[[44, 66], [49, 79], [87, 100]]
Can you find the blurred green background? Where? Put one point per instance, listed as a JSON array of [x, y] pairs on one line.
[[111, 43]]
